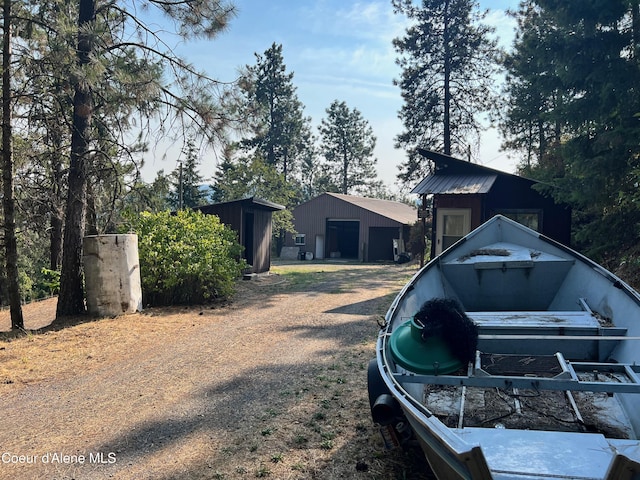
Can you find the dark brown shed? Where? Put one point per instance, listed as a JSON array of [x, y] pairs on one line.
[[251, 219], [334, 225], [466, 194]]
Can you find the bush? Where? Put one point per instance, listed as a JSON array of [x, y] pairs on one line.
[[187, 258], [47, 283]]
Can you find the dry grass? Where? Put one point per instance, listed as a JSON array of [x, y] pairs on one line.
[[270, 386]]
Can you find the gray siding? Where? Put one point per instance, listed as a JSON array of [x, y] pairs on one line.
[[311, 218]]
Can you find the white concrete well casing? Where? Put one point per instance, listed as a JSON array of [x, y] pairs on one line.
[[112, 274]]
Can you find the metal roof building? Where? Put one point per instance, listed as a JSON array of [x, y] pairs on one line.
[[334, 225], [466, 194]]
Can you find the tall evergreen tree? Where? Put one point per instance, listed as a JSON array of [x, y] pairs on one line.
[[347, 144], [597, 71], [280, 133], [447, 59], [310, 176], [8, 196], [191, 100], [30, 188], [534, 89], [71, 299], [186, 182]]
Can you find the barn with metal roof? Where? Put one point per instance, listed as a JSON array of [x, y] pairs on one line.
[[334, 225]]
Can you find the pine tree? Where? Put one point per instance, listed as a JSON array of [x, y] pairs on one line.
[[190, 100], [347, 144], [447, 61], [8, 196], [534, 90], [281, 134], [186, 182], [597, 74]]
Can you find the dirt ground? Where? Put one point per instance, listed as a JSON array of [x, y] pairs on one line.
[[271, 385]]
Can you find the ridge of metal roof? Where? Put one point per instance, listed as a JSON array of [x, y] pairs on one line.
[[453, 175], [397, 211], [260, 202]]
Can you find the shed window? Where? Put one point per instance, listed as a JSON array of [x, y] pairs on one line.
[[300, 239], [528, 218]]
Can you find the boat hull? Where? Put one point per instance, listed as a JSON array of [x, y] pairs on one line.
[[575, 327]]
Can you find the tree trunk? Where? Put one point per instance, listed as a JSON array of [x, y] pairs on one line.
[[8, 200], [55, 240], [56, 212], [71, 299], [91, 218], [447, 81], [345, 165]]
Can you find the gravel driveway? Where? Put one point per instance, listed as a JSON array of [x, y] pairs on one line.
[[272, 385]]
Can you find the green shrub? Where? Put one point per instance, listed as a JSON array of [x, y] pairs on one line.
[[47, 283], [186, 258], [26, 285]]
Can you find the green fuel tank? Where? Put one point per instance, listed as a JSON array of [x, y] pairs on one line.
[[430, 356]]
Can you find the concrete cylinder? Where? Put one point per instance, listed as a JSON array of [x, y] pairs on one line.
[[112, 274]]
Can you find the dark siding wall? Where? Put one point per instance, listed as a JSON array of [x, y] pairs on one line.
[[516, 193], [511, 193], [557, 225], [262, 241], [229, 214], [472, 201], [235, 215], [381, 243]]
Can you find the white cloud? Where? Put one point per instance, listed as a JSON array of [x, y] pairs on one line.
[[369, 21], [359, 61], [505, 27], [374, 21], [349, 84]]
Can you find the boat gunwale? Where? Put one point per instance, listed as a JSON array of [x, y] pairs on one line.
[[388, 368]]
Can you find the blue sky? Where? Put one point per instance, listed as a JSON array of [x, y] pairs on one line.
[[337, 50]]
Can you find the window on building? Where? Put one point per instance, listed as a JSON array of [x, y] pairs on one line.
[[300, 239], [528, 218]]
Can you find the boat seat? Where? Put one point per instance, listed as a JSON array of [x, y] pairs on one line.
[[535, 319], [538, 372], [505, 276], [553, 454], [547, 332]]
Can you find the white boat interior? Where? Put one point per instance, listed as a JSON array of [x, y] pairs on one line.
[[554, 391]]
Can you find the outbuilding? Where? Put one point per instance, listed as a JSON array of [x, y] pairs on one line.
[[334, 225], [251, 218], [466, 194]]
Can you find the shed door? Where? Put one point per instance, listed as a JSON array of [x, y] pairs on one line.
[[451, 225], [249, 236], [319, 247]]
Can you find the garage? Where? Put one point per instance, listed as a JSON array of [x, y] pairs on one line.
[[381, 244], [343, 238], [335, 225]]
